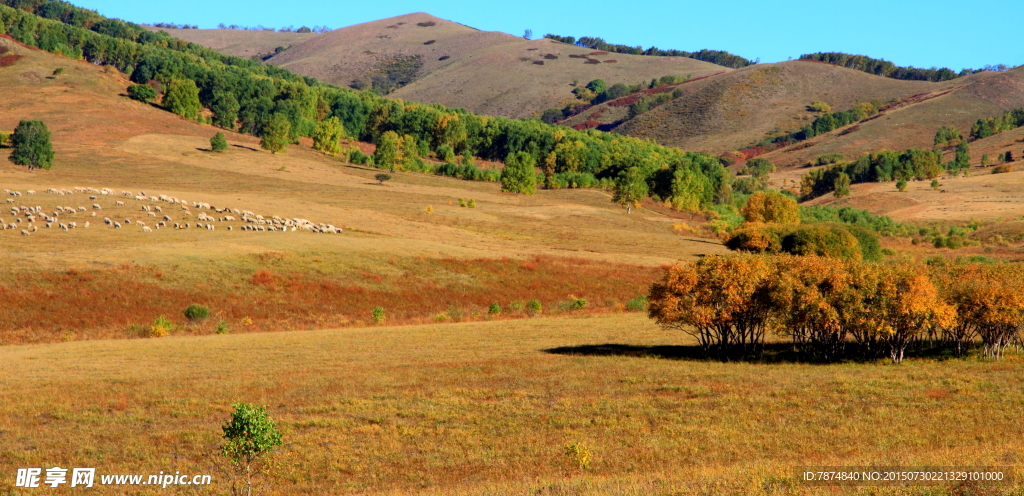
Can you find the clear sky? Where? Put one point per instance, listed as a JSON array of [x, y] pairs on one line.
[[921, 33]]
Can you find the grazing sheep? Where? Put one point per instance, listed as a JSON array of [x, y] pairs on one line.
[[145, 208], [92, 197], [158, 209], [96, 206], [127, 221], [167, 218], [82, 209], [24, 232], [10, 200], [86, 225], [63, 227], [117, 226], [107, 221], [151, 214], [31, 192], [229, 228], [119, 204], [146, 229]]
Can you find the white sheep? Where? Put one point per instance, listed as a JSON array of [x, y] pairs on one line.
[[151, 214], [119, 204], [97, 206], [117, 225], [146, 229], [24, 232]]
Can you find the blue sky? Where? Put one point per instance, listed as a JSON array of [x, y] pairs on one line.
[[908, 32]]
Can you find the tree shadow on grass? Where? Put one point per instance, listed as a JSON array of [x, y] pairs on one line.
[[770, 353], [767, 353]]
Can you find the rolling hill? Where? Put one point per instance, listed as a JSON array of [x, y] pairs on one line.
[[434, 60], [238, 42]]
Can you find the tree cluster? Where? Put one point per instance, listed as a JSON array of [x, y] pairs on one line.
[[1011, 119], [832, 310], [719, 57], [880, 67], [881, 166]]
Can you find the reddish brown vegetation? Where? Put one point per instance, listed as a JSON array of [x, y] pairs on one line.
[[625, 101], [610, 61], [9, 60], [41, 307], [592, 61], [598, 53], [588, 124]]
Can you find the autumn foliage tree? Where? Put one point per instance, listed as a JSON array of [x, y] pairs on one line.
[[771, 207], [723, 302], [833, 309]]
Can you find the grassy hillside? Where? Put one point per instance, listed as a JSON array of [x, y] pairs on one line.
[[491, 73], [240, 43], [485, 408], [391, 253], [959, 102], [737, 109]]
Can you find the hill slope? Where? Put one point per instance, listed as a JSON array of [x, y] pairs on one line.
[[434, 60], [238, 42], [959, 102]]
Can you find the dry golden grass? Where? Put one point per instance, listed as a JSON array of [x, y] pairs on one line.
[[481, 408]]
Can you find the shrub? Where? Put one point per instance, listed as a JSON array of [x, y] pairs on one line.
[[638, 304], [358, 157], [377, 314], [142, 92], [222, 327], [429, 209], [462, 202], [533, 307], [578, 455], [5, 139], [382, 177], [471, 203], [218, 143], [819, 106], [494, 309], [1002, 169], [161, 326], [578, 303], [196, 313], [901, 184], [515, 305]]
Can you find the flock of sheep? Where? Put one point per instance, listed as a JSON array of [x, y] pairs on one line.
[[26, 217]]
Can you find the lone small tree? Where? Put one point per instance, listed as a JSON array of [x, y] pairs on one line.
[[251, 436], [276, 134], [218, 143], [31, 142], [382, 178]]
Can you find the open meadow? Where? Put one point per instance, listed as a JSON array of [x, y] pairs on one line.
[[491, 407]]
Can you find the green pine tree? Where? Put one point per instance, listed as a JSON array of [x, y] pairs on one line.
[[218, 143]]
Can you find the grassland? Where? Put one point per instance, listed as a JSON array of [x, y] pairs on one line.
[[483, 408], [450, 264]]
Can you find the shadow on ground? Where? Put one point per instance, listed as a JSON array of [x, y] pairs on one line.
[[767, 353]]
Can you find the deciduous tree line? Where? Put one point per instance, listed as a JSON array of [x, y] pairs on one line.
[[254, 98], [833, 309]]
